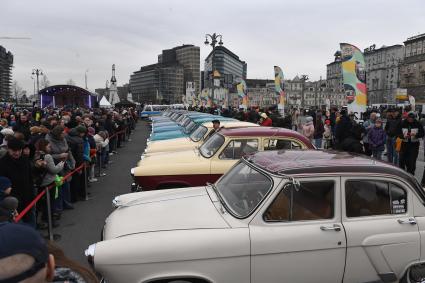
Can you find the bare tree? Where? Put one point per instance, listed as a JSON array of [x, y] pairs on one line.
[[18, 91], [44, 82], [70, 82]]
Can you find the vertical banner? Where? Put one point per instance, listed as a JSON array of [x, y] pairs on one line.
[[242, 92], [354, 76], [279, 88]]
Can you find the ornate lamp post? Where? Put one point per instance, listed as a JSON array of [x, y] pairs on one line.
[[214, 39], [38, 72]]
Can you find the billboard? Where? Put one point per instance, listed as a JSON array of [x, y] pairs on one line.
[[354, 76], [242, 92], [279, 87]]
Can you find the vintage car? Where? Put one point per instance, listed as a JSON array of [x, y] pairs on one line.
[[186, 130], [196, 167], [276, 216], [195, 139], [182, 121]]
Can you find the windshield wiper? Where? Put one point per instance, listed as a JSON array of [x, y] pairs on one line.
[[216, 192]]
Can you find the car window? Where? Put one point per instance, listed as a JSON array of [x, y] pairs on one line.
[[235, 149], [198, 134], [210, 147], [277, 144], [243, 188], [368, 198], [309, 201]]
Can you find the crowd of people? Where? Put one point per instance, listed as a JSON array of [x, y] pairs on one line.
[[393, 132], [39, 147]]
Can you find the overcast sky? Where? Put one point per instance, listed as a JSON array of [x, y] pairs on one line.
[[70, 37]]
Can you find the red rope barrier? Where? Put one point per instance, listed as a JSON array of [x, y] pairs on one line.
[[67, 176], [40, 195]]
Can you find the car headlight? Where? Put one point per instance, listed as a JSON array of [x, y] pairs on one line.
[[142, 157], [89, 253], [132, 172]]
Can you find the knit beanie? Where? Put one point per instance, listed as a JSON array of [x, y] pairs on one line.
[[81, 129], [4, 185], [91, 131]]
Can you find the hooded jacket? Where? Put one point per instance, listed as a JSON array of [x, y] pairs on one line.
[[76, 145]]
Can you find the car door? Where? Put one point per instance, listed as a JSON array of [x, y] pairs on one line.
[[228, 155], [298, 235], [382, 235]]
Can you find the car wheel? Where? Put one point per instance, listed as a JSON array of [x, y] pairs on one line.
[[415, 274]]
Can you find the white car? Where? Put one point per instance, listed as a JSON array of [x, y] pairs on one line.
[[276, 216]]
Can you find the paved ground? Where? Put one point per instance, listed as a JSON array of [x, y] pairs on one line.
[[82, 226]]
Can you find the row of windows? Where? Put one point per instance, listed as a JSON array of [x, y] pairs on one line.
[[316, 200]]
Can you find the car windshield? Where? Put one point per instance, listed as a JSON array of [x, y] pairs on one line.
[[185, 122], [190, 127], [198, 134], [243, 188], [210, 147]]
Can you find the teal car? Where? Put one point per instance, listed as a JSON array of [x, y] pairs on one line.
[[187, 130], [182, 121]]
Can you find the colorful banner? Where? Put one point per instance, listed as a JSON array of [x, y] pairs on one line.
[[279, 87], [242, 92], [354, 75]]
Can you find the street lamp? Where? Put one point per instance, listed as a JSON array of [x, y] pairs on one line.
[[38, 72], [304, 78], [214, 38]]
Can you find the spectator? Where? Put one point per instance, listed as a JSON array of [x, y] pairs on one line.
[[8, 209], [327, 134], [308, 128], [369, 124], [343, 128], [24, 256], [410, 131], [5, 187], [391, 128], [377, 139], [319, 129], [265, 120], [17, 168], [76, 145], [23, 126]]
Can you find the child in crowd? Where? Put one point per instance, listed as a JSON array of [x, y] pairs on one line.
[[5, 187], [377, 139], [327, 135]]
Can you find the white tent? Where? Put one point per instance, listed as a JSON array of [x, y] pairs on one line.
[[104, 103]]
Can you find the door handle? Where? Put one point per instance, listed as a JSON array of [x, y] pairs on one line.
[[409, 220], [334, 227]]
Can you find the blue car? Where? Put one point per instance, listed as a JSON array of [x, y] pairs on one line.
[[186, 131], [181, 122]]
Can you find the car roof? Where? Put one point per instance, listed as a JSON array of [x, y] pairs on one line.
[[230, 124], [314, 162], [264, 132]]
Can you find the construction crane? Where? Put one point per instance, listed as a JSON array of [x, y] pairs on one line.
[[11, 37]]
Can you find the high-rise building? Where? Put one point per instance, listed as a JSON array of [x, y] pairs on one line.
[[227, 64], [382, 72], [412, 68], [6, 63], [165, 81]]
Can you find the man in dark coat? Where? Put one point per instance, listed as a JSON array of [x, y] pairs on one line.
[[76, 145], [17, 168], [23, 126], [411, 132]]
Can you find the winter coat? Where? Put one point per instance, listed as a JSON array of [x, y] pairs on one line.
[[392, 126], [407, 128], [51, 168], [377, 138], [319, 129], [76, 145], [308, 130], [368, 125], [23, 128], [267, 122], [19, 173], [343, 128], [100, 142]]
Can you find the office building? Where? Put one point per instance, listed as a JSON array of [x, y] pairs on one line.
[[382, 77], [412, 68], [228, 64], [6, 63], [165, 81]]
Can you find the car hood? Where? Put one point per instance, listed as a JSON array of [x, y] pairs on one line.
[[167, 135], [159, 162], [165, 210]]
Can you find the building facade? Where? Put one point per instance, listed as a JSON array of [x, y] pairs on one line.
[[165, 81], [6, 63], [412, 68], [227, 64], [334, 79], [382, 77]]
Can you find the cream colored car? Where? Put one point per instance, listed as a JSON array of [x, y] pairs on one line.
[[277, 216], [196, 138], [196, 167]]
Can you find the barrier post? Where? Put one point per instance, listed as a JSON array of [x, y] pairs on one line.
[[49, 215], [85, 180]]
